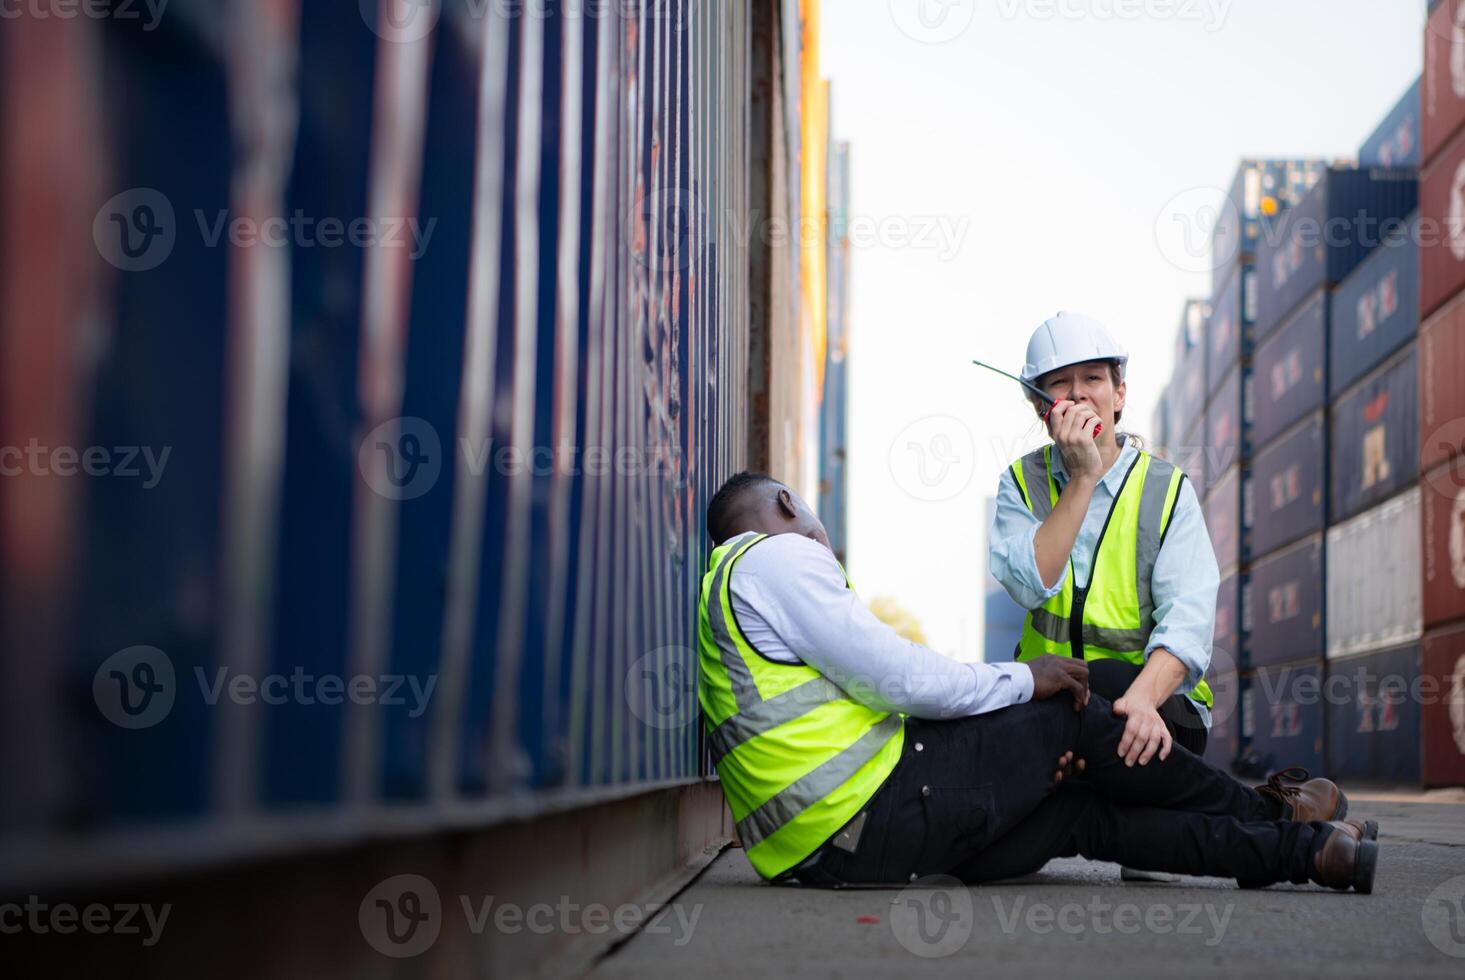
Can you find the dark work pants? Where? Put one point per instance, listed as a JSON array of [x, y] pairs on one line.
[[1112, 678], [976, 798]]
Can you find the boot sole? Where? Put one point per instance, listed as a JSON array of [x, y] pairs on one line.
[[1365, 866], [1370, 830], [1342, 810]]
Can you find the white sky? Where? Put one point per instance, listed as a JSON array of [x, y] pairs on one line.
[[1058, 144]]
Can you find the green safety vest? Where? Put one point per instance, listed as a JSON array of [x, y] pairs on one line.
[[1114, 614], [798, 758]]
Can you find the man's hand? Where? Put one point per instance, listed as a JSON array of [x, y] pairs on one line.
[[1052, 674], [1144, 731], [1072, 426], [1067, 766]]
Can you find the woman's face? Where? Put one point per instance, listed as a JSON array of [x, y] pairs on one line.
[[1092, 383]]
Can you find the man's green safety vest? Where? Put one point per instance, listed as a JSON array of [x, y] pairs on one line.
[[1113, 615], [798, 759]]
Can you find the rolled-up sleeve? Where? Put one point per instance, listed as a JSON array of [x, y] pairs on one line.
[[1010, 542], [1184, 588]]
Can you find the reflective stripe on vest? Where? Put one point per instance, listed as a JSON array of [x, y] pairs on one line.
[[1114, 625], [797, 757]]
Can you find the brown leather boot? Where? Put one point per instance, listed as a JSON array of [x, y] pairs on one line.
[[1347, 859], [1310, 799]]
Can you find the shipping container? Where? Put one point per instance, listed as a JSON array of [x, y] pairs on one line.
[[1443, 81], [1228, 422], [1442, 516], [1160, 421], [1441, 230], [1230, 326], [1288, 481], [1374, 431], [1192, 332], [1229, 638], [1374, 580], [1442, 697], [1321, 240], [1189, 453], [1224, 519], [1188, 382], [1286, 717], [1373, 716], [1223, 743], [1395, 143], [1261, 191], [1441, 391], [1289, 379], [1286, 606], [1374, 312]]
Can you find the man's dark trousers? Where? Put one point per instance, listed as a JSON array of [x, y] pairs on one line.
[[976, 798]]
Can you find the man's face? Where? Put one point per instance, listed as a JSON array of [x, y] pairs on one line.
[[1090, 383]]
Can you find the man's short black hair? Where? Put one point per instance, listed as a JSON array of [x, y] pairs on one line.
[[730, 502]]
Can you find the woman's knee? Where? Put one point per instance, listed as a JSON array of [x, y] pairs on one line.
[[1111, 678]]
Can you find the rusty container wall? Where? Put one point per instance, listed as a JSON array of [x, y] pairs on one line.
[[1442, 701], [1441, 395], [468, 458], [1442, 543]]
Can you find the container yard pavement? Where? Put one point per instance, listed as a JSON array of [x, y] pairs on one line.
[[1076, 915]]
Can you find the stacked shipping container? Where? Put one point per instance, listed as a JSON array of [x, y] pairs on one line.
[[1441, 399]]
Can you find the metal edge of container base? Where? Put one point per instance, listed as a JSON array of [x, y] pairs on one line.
[[1289, 486], [1442, 732], [1307, 249], [1373, 436], [1285, 718], [1395, 141], [1374, 710], [1441, 393], [1286, 604], [1375, 311], [1442, 543], [1374, 578], [1289, 369]]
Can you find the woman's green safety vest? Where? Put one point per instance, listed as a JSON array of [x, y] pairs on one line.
[[1113, 615], [797, 757]]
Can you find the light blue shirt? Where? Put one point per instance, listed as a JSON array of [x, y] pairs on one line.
[[1186, 576]]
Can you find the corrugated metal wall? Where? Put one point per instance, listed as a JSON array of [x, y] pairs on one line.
[[469, 448]]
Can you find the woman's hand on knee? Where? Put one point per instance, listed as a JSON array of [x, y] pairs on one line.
[[1145, 733]]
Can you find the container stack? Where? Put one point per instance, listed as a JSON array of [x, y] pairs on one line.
[[1441, 387], [1261, 192]]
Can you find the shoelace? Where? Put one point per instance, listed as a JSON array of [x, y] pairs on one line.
[[1281, 793]]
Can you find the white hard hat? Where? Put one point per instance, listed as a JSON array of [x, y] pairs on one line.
[[1070, 338]]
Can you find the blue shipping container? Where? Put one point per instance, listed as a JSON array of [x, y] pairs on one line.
[[1229, 638], [1189, 453], [1228, 422], [1288, 480], [1223, 510], [1288, 717], [1290, 372], [1240, 225], [1375, 312], [1395, 143], [1285, 605], [1230, 328], [1188, 391], [1327, 235], [1223, 744], [1374, 716], [1375, 437]]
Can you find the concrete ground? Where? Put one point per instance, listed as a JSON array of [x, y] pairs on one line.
[[1077, 916]]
